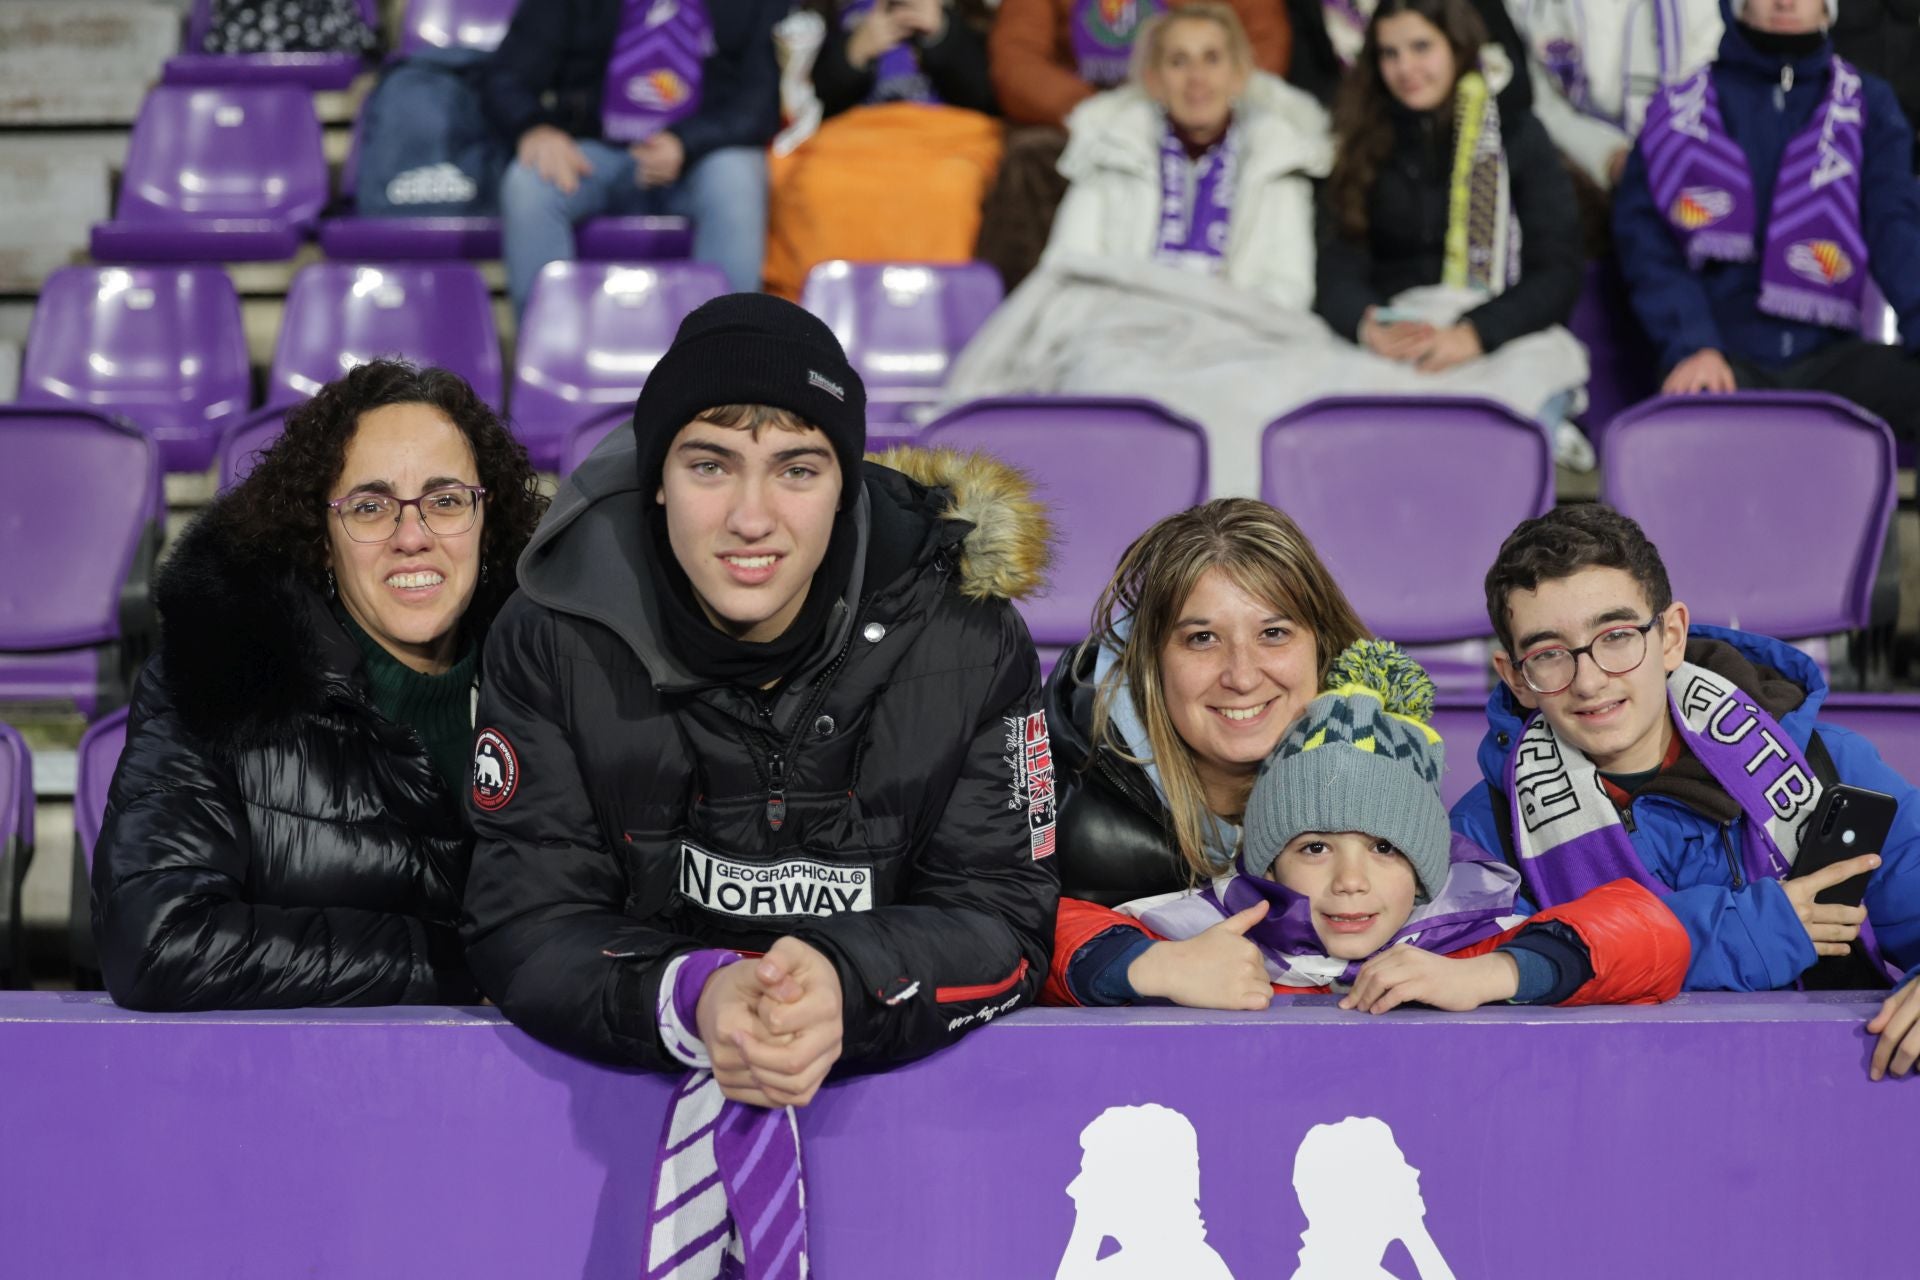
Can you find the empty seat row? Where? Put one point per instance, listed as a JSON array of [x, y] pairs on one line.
[[164, 346]]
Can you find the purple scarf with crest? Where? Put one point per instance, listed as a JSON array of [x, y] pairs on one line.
[[1196, 199], [654, 74], [897, 76], [1102, 36], [1477, 901], [1814, 266]]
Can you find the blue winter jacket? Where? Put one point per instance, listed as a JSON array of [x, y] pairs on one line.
[[1745, 936], [1717, 307]]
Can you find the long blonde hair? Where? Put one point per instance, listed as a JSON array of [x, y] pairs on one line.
[[1152, 36], [1264, 553]]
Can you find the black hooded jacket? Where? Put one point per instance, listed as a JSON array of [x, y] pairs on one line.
[[1116, 836], [271, 839], [625, 809]]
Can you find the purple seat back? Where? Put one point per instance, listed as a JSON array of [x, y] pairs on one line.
[[16, 795], [586, 437], [242, 443], [591, 334], [1623, 366], [1890, 721], [1105, 468], [100, 748], [902, 323], [233, 152], [455, 24], [1461, 723], [340, 315], [76, 499], [161, 345], [1769, 508], [1407, 500]]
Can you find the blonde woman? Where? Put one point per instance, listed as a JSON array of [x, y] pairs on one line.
[[1215, 632], [1201, 162]]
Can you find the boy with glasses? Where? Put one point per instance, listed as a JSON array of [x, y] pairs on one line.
[[1623, 743]]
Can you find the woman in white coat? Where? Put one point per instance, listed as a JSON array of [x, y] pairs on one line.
[[1201, 161]]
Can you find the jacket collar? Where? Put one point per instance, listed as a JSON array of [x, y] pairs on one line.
[[247, 647], [1738, 54]]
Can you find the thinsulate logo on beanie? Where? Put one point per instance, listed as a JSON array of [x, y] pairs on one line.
[[817, 379]]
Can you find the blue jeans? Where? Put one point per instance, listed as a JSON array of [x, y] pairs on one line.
[[724, 193]]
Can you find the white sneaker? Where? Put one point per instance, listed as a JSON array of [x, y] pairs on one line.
[[1571, 448]]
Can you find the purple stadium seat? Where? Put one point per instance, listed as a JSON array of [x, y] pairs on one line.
[[1890, 721], [1407, 500], [162, 346], [591, 334], [1461, 721], [1769, 508], [1105, 468], [587, 435], [455, 24], [340, 315], [902, 323], [16, 849], [79, 517], [242, 442], [221, 174], [326, 71], [100, 748], [1624, 366]]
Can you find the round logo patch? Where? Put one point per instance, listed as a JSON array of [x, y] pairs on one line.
[[496, 770]]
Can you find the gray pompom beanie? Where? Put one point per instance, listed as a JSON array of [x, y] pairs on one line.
[[1361, 758]]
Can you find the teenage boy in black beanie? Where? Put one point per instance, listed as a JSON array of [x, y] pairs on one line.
[[757, 695]]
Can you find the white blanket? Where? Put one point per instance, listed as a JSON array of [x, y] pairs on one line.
[[1230, 361]]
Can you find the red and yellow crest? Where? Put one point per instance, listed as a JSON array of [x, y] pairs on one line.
[[1821, 261]]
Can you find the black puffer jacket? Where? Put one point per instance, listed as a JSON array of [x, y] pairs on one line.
[[271, 839], [1116, 837], [628, 817], [1407, 231]]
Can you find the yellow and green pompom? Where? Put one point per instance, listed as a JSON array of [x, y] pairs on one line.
[[1403, 686]]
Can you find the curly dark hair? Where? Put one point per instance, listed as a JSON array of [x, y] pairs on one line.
[[280, 508], [1362, 108], [1559, 544]]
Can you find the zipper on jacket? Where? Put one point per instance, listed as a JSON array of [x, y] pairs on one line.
[[1733, 862], [776, 791], [984, 991], [776, 777]]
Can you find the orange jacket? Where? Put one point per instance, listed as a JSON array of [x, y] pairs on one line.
[[1030, 54], [1639, 949]]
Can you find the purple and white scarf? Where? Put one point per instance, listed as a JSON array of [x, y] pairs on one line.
[[1477, 901], [654, 75], [1196, 200], [1814, 266], [897, 76], [1568, 833], [729, 1199], [1102, 34]]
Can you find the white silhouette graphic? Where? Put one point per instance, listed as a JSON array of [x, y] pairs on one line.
[[486, 768], [1139, 1186], [1360, 1195]]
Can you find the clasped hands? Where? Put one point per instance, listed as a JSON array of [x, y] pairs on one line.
[[1427, 348], [772, 1025]]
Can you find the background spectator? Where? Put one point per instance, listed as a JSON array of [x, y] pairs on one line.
[[546, 89]]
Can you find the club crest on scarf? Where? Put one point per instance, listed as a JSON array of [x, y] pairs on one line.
[[1821, 261], [1103, 32], [1698, 207], [654, 73]]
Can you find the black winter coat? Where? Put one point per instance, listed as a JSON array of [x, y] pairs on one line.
[[1407, 231], [1116, 836], [551, 68], [955, 66], [271, 839], [626, 814]]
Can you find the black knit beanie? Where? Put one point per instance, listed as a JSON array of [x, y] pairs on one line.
[[752, 348]]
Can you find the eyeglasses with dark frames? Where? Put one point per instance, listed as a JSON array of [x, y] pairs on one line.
[[1616, 651], [368, 516]]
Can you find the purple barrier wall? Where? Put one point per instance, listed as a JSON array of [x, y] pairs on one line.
[[1728, 1136]]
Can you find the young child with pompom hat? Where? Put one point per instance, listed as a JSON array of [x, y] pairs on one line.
[[1348, 879]]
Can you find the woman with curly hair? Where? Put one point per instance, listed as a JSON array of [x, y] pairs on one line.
[[287, 823]]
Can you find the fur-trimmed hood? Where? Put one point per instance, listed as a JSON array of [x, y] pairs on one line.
[[586, 558], [246, 647]]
